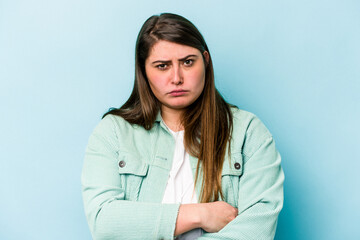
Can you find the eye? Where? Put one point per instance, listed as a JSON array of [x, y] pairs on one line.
[[161, 66], [188, 62]]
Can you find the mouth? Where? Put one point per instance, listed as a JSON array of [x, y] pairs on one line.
[[178, 92]]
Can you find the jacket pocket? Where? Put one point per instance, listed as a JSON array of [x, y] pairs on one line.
[[132, 170], [230, 178]]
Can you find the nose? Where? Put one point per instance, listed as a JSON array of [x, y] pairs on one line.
[[177, 77]]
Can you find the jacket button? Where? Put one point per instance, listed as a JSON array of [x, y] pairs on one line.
[[237, 165], [122, 163]]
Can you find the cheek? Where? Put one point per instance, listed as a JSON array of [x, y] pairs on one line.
[[153, 79], [197, 79], [155, 87], [157, 84]]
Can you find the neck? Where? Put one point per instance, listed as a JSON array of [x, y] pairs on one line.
[[172, 118]]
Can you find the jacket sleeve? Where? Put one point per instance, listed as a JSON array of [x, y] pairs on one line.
[[109, 215], [260, 189]]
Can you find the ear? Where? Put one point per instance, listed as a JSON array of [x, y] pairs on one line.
[[206, 57]]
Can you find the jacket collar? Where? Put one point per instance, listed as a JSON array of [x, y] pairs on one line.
[[161, 122], [158, 117]]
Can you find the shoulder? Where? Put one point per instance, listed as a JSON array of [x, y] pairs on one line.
[[249, 132], [113, 133], [248, 121], [114, 127], [117, 123]]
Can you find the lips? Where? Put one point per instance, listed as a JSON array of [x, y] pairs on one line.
[[178, 92]]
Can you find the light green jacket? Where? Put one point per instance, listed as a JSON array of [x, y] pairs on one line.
[[126, 170]]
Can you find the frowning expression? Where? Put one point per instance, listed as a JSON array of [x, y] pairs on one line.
[[176, 74]]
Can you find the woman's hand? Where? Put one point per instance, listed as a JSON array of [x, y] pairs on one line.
[[211, 217], [216, 215]]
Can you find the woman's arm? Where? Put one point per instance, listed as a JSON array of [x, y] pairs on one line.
[[260, 189], [209, 216]]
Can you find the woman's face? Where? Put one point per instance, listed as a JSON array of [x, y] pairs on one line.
[[176, 74]]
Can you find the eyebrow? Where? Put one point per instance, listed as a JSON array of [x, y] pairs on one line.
[[168, 61]]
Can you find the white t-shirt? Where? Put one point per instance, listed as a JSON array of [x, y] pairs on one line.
[[180, 185]]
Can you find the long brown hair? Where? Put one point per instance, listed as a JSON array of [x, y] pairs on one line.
[[207, 122]]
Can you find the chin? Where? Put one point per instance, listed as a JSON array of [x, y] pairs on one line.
[[178, 106]]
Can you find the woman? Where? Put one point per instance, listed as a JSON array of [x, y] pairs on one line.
[[176, 160]]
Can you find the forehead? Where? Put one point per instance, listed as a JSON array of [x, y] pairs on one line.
[[166, 50]]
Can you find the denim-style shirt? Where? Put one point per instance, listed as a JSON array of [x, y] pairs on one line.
[[126, 169]]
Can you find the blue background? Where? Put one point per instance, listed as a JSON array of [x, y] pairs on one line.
[[295, 64]]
